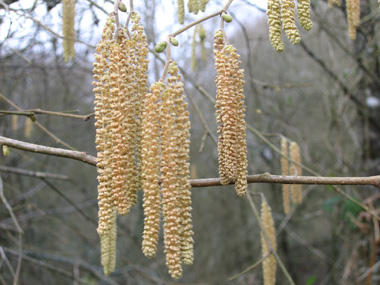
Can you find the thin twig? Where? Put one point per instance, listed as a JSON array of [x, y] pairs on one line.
[[58, 140], [37, 174], [249, 268], [77, 155], [33, 112]]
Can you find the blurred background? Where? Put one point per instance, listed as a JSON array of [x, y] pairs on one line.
[[323, 93]]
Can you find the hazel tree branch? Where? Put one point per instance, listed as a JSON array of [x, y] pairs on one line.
[[32, 112], [207, 182]]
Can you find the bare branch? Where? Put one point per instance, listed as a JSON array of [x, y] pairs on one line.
[[77, 155], [37, 174]]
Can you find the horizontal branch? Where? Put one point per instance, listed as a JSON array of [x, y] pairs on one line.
[[37, 174], [280, 179], [77, 155], [207, 182], [33, 112]]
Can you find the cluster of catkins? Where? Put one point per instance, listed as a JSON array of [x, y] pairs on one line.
[[166, 175], [68, 18], [142, 143], [281, 16], [194, 6], [232, 150], [293, 191], [120, 80]]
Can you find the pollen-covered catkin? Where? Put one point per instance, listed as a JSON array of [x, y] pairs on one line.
[[181, 138], [274, 21], [108, 247], [288, 21], [68, 27], [295, 170], [103, 128], [285, 172], [353, 17], [181, 11], [232, 152], [151, 169], [303, 13], [193, 6], [269, 263]]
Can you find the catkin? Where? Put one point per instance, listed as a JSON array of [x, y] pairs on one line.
[[181, 11], [353, 17], [303, 13], [120, 77], [232, 151], [108, 247], [68, 28], [193, 6], [165, 155], [285, 172], [269, 263], [274, 21], [288, 21], [295, 170], [151, 169]]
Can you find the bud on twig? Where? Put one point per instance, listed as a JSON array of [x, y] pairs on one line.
[[6, 150], [174, 41], [227, 18], [160, 47]]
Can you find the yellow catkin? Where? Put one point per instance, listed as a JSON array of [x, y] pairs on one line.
[[269, 263], [169, 185], [28, 127], [356, 12], [202, 5], [181, 138], [14, 123], [103, 128], [303, 13], [230, 110], [295, 170], [274, 21], [288, 21], [285, 172], [141, 58], [108, 248], [334, 3], [68, 27], [352, 17], [181, 11], [193, 6], [151, 169]]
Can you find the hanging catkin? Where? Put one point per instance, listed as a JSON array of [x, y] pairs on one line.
[[285, 172], [288, 21], [68, 27], [232, 151], [303, 13], [274, 21], [353, 17], [295, 170], [269, 263], [181, 11], [166, 145], [119, 85]]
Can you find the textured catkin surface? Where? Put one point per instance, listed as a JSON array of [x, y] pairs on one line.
[[285, 171], [68, 28], [274, 21], [230, 110], [295, 170], [269, 263]]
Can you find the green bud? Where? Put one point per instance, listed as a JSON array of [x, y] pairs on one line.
[[202, 33], [174, 41], [122, 7], [227, 18], [160, 47], [6, 150], [33, 118]]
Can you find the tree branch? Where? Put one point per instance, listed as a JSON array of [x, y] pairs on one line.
[[207, 182], [77, 155]]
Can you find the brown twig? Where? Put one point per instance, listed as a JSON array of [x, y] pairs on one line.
[[33, 112], [77, 155], [37, 174]]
